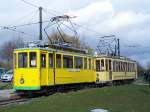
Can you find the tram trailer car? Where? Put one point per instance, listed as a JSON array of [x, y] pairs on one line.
[[38, 68], [114, 69]]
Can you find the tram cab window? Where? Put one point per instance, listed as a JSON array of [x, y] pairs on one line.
[[43, 60], [32, 59], [14, 60], [102, 65], [97, 65], [50, 60], [78, 62], [58, 60], [22, 60], [67, 61], [85, 63]]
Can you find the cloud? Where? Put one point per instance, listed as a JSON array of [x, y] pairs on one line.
[[123, 19], [130, 26], [92, 13], [102, 14], [127, 19]]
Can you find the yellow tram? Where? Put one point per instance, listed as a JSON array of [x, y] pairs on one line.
[[38, 67], [35, 68]]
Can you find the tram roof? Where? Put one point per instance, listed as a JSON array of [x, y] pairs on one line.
[[51, 49], [115, 57]]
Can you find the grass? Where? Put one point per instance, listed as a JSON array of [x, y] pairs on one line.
[[127, 98], [5, 85]]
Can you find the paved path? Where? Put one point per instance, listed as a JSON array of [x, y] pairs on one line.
[[141, 82], [6, 93]]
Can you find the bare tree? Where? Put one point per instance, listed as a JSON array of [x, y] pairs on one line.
[[140, 69], [7, 50], [75, 41]]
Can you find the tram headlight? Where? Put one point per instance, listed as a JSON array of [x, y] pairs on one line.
[[21, 81]]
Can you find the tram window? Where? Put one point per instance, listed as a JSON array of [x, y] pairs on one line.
[[117, 66], [32, 59], [43, 60], [67, 61], [114, 66], [126, 65], [89, 63], [134, 68], [22, 60], [14, 60], [102, 64], [129, 67], [106, 62], [121, 66], [58, 60], [110, 65], [85, 63], [50, 60], [97, 65], [78, 62]]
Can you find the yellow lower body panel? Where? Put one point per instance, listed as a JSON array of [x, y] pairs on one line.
[[26, 79], [69, 76]]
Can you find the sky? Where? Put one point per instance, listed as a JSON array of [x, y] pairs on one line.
[[129, 20]]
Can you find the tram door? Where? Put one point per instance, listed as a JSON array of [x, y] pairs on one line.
[[43, 68], [98, 70]]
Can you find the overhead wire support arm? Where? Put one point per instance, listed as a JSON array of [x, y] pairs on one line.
[[59, 21], [109, 45]]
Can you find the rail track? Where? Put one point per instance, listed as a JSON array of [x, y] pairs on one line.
[[14, 99], [6, 102]]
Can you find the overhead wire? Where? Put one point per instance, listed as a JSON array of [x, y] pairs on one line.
[[33, 16], [14, 30], [22, 25], [29, 3], [89, 29]]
